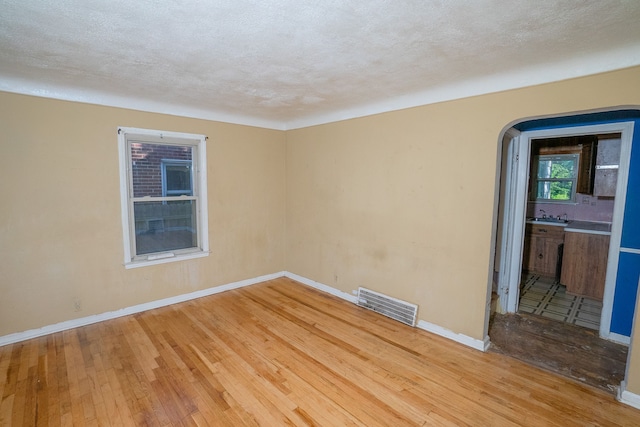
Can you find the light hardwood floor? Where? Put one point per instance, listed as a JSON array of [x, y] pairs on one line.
[[275, 354]]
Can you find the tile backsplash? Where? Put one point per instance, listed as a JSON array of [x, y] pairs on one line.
[[588, 208]]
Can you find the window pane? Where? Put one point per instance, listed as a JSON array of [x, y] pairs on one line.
[[146, 167], [551, 168], [165, 226], [554, 190], [177, 179]]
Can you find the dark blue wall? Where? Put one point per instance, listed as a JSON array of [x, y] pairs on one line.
[[624, 301]]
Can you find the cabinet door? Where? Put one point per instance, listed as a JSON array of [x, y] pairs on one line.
[[528, 255], [548, 257], [584, 264], [606, 182], [606, 171], [541, 255], [541, 249]]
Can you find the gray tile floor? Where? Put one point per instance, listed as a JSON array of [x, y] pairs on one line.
[[548, 298]]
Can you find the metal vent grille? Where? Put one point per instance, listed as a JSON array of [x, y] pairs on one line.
[[391, 307]]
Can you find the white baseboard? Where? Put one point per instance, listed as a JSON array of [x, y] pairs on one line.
[[322, 287], [627, 397], [83, 321], [481, 345], [430, 327], [617, 338]]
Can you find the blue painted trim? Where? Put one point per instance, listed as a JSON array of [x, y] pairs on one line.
[[579, 120]]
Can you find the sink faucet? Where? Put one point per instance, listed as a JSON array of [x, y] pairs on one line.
[[544, 214]]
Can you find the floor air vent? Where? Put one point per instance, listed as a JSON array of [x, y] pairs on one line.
[[394, 308]]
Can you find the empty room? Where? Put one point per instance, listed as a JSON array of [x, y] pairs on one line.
[[286, 212]]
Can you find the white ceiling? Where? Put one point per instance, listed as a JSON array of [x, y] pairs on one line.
[[292, 63]]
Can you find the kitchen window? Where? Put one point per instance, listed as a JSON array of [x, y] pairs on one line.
[[555, 178], [163, 196]]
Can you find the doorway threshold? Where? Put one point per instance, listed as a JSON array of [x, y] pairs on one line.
[[566, 349]]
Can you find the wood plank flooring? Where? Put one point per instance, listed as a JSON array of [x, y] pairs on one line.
[[280, 353], [572, 351]]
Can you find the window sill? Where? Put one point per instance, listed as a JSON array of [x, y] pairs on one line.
[[164, 260]]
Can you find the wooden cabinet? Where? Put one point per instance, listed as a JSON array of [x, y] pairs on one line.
[[586, 169], [584, 264], [606, 169], [542, 245]]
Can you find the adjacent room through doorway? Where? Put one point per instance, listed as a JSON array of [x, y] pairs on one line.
[[559, 233]]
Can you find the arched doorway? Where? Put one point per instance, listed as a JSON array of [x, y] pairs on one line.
[[618, 305]]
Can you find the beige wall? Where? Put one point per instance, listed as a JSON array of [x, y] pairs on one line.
[[403, 202], [392, 202], [60, 223]]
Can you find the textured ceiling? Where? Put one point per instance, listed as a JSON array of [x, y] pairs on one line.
[[292, 63]]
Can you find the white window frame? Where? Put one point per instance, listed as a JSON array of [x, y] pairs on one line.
[[172, 162], [574, 187], [126, 135]]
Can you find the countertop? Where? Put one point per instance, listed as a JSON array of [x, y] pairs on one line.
[[590, 227]]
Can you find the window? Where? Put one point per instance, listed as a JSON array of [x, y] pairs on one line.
[[176, 177], [163, 195], [555, 178]]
